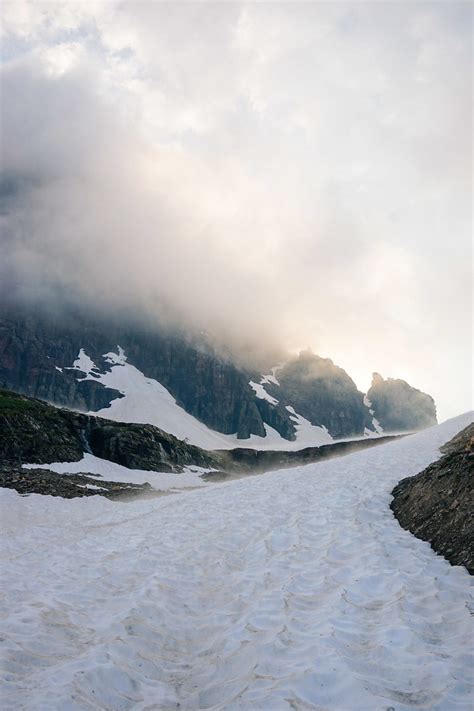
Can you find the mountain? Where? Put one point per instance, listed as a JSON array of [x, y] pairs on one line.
[[185, 385]]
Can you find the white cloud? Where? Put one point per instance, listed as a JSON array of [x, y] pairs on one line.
[[297, 171]]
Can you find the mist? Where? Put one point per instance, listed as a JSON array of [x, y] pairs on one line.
[[281, 176]]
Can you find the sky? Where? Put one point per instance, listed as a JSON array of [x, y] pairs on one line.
[[296, 174]]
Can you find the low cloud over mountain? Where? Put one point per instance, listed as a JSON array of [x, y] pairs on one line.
[[218, 165]]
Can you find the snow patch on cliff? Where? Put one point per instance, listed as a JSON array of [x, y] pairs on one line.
[[261, 393], [378, 429], [271, 378], [84, 363], [307, 433]]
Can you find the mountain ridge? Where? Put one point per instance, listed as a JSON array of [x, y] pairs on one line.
[[307, 400]]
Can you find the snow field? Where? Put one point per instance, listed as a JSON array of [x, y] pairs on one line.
[[295, 589]]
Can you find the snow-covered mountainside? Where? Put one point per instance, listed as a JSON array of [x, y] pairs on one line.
[[296, 589], [187, 384], [146, 401]]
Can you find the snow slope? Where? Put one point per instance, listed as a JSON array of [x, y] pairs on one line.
[[306, 433], [296, 589], [146, 401]]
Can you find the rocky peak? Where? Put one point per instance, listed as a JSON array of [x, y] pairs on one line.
[[377, 380], [323, 393], [400, 407]]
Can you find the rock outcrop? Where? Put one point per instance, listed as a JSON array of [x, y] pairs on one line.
[[436, 505], [48, 483], [400, 407], [32, 431]]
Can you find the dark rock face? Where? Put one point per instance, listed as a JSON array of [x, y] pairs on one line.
[[277, 417], [323, 393], [31, 431], [399, 407], [33, 347], [436, 505]]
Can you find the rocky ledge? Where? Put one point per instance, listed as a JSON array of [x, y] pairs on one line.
[[68, 486], [32, 431], [436, 505]]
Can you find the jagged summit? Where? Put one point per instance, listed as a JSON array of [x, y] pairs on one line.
[[399, 406]]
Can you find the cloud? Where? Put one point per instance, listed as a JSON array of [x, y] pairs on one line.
[[296, 174]]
